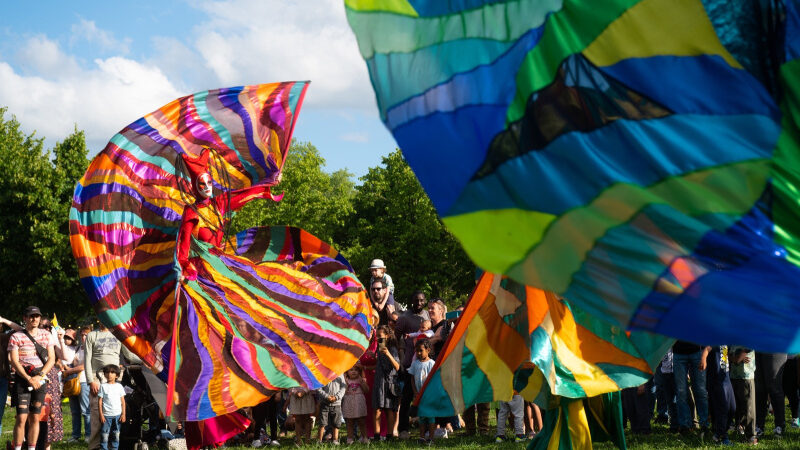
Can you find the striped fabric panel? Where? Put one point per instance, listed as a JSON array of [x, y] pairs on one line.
[[593, 148], [515, 338]]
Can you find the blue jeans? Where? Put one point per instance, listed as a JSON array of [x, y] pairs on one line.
[[681, 365], [109, 433], [85, 410]]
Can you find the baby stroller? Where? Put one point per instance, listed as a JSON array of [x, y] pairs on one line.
[[140, 409]]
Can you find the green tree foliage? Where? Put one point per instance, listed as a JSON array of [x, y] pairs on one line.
[[395, 220], [315, 200], [35, 197]]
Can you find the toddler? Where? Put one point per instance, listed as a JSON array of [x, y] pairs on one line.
[[354, 403], [301, 406], [378, 270], [330, 407], [419, 370], [111, 400]]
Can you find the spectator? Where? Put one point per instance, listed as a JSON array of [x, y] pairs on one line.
[[385, 391], [743, 367], [720, 393], [533, 419], [514, 407], [72, 360], [409, 322], [267, 413], [330, 407], [790, 388], [665, 392], [637, 407], [32, 355], [354, 403], [301, 406], [769, 388], [441, 328], [689, 358], [382, 303], [55, 419], [101, 349], [420, 368], [86, 410], [6, 328], [368, 361], [111, 405], [378, 271]]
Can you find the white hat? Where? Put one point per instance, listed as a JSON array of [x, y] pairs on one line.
[[377, 264]]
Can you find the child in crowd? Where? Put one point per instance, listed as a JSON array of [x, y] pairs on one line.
[[743, 368], [515, 407], [424, 332], [354, 403], [378, 270], [111, 400], [301, 406], [419, 370], [330, 407]]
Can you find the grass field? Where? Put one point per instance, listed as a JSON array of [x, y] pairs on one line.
[[661, 438]]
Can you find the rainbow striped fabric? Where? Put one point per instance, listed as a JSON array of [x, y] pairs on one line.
[[515, 338], [276, 308], [638, 157]]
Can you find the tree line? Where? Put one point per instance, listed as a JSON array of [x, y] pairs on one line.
[[384, 214]]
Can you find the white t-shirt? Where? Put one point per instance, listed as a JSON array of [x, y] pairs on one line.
[[112, 398], [420, 370]]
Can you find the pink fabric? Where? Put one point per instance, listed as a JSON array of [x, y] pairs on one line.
[[214, 432]]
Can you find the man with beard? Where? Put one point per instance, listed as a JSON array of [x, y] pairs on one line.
[[409, 322]]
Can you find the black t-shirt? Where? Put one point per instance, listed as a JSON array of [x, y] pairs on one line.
[[685, 348]]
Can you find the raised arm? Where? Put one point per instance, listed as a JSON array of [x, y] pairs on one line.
[[241, 197]]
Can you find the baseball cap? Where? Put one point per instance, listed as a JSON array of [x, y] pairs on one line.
[[377, 264], [30, 310]]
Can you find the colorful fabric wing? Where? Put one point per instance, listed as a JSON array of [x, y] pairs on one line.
[[265, 306], [638, 157], [512, 337]]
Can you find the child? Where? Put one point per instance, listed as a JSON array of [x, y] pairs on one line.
[[515, 407], [330, 407], [743, 368], [386, 391], [378, 271], [354, 403], [301, 406], [424, 332], [111, 400], [419, 370]]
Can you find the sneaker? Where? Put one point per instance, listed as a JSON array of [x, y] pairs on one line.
[[335, 442], [796, 422], [257, 443], [753, 441], [778, 431], [759, 432], [531, 434], [73, 440], [274, 443], [498, 439], [404, 435], [440, 433], [726, 442], [519, 439]]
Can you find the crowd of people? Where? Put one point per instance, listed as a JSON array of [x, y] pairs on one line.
[[724, 391]]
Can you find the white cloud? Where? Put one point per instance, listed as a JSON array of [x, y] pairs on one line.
[[100, 100], [359, 137], [256, 41], [88, 31], [44, 57]]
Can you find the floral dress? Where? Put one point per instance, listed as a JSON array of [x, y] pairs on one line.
[[55, 426]]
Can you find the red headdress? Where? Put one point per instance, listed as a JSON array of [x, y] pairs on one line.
[[196, 165]]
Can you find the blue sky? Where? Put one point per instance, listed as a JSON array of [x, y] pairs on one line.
[[100, 65]]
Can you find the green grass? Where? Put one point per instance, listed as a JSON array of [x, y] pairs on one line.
[[661, 438]]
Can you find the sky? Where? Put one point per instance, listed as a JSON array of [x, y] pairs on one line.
[[100, 65]]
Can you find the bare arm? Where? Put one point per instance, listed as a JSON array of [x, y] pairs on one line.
[[13, 325], [122, 416]]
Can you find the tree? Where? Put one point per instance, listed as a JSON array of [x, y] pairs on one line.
[[395, 220], [314, 200], [35, 197]]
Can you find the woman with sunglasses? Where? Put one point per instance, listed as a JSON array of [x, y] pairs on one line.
[[72, 360]]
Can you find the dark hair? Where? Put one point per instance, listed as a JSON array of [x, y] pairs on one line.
[[423, 343], [111, 368], [378, 280], [391, 341]]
